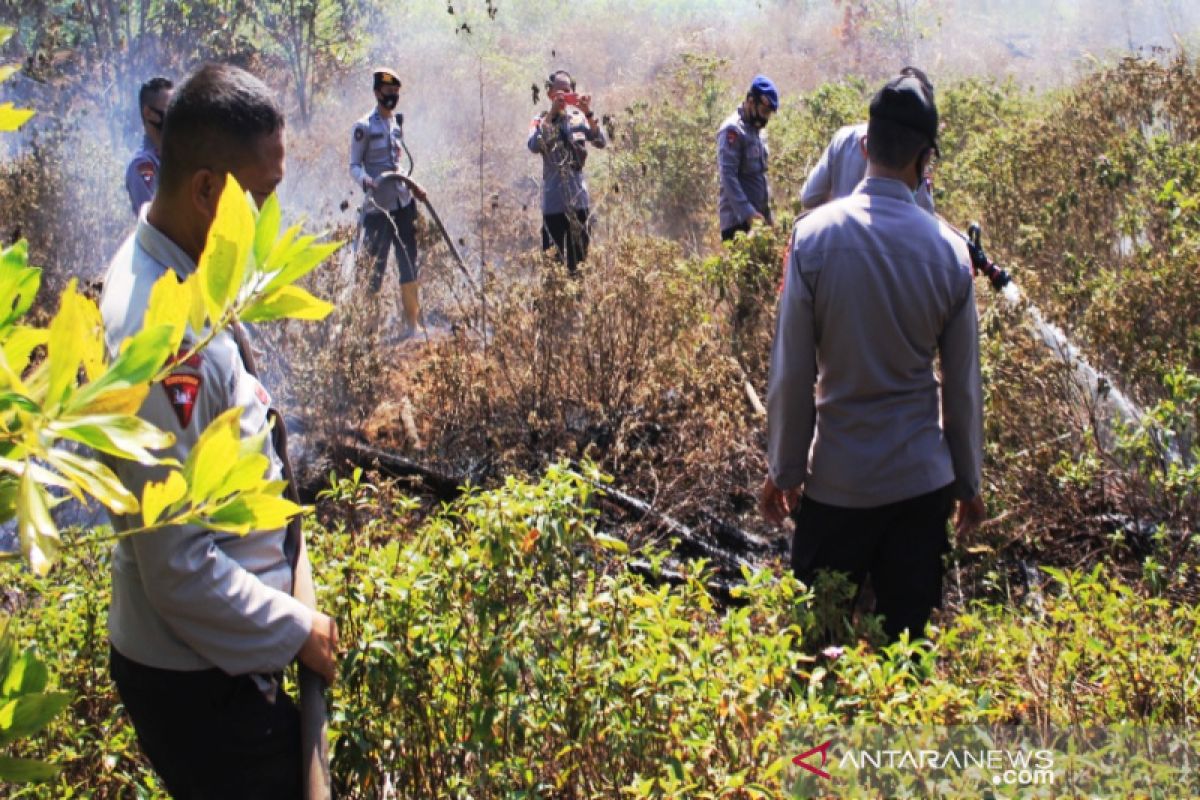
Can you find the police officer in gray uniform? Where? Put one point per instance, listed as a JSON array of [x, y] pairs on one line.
[[844, 162], [744, 197], [203, 623], [561, 136], [389, 213], [141, 176]]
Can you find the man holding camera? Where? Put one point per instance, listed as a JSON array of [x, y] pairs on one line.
[[743, 198], [877, 293], [561, 136]]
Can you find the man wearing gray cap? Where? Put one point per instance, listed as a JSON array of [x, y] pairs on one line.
[[866, 450], [844, 162]]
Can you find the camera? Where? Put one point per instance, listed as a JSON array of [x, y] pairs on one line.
[[571, 98]]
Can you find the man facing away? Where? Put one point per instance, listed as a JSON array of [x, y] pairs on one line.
[[844, 162], [866, 450], [141, 175], [743, 198], [561, 137], [202, 624]]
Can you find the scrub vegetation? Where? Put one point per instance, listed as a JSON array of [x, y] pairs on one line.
[[531, 635]]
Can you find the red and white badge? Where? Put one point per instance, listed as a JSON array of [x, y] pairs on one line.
[[182, 390]]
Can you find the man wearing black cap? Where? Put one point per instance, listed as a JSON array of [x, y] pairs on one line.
[[743, 198], [866, 450], [844, 162], [141, 176], [389, 213]]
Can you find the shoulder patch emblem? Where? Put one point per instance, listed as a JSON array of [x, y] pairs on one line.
[[146, 170], [358, 134], [182, 391], [731, 136]]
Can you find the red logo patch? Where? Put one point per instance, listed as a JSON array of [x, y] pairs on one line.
[[731, 136], [147, 172], [182, 391], [358, 134]]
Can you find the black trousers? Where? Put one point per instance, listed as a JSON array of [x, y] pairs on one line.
[[570, 238], [900, 546], [728, 233], [394, 230], [212, 735]]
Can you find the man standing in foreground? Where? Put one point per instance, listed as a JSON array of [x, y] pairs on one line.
[[844, 162], [561, 136], [877, 291], [141, 176], [202, 624], [743, 198]]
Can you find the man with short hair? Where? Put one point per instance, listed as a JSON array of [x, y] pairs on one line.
[[202, 624], [844, 162], [743, 198], [561, 137], [141, 176], [389, 213], [877, 292]]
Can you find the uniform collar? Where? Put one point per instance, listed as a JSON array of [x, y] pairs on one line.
[[885, 187], [156, 245]]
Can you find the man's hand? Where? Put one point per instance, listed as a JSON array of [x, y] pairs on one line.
[[757, 219], [319, 652], [774, 503], [970, 514], [585, 104], [368, 183]]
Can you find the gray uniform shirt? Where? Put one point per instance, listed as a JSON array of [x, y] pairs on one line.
[[375, 149], [875, 290], [186, 598], [141, 176], [742, 168], [842, 167], [563, 157]]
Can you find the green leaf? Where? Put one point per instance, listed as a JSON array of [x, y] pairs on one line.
[[12, 118], [28, 714], [266, 230], [289, 302], [75, 337], [7, 72], [215, 450], [121, 435], [257, 512], [611, 543], [230, 242], [6, 33], [170, 302], [300, 263], [26, 675], [20, 343], [19, 282], [25, 770], [142, 356], [36, 530], [161, 495], [247, 476], [94, 478]]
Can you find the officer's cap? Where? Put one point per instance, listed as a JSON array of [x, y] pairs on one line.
[[386, 77], [905, 101], [762, 86]]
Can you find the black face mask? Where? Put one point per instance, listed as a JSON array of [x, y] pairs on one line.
[[389, 101], [753, 118]]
